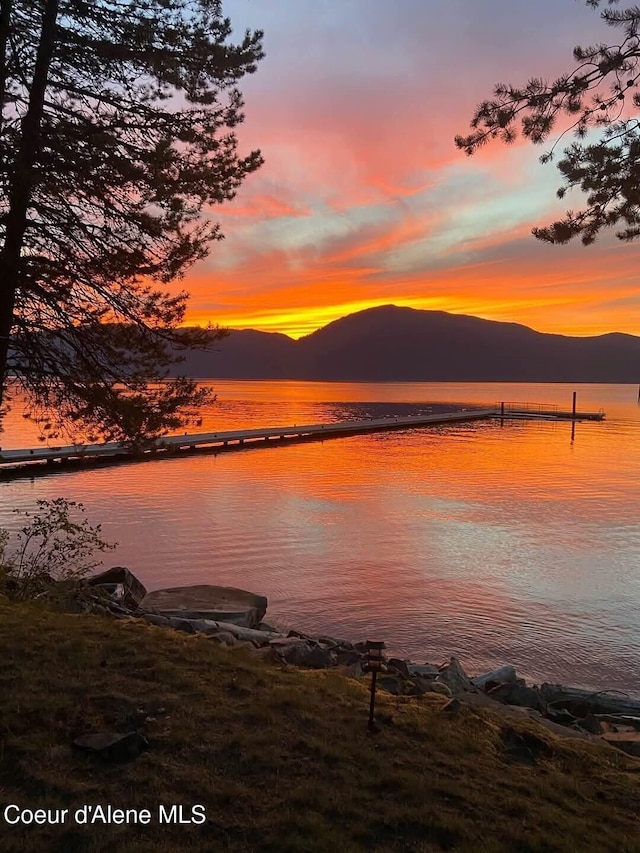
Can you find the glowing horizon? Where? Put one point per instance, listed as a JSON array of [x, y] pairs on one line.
[[298, 326]]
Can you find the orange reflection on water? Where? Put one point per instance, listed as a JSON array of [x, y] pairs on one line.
[[500, 544]]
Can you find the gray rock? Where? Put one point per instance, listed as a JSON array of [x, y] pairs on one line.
[[292, 650], [121, 584], [523, 747], [327, 642], [222, 637], [481, 700], [590, 723], [243, 644], [619, 720], [519, 694], [186, 625], [217, 603], [286, 642], [332, 641], [442, 689], [425, 670], [399, 666], [298, 635], [210, 628], [503, 675], [262, 638], [247, 635], [425, 685], [113, 609], [353, 670], [454, 677], [302, 652], [319, 658], [561, 716], [347, 657], [112, 746], [154, 619], [205, 626], [580, 702], [393, 684]]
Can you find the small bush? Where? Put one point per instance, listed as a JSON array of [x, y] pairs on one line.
[[50, 547]]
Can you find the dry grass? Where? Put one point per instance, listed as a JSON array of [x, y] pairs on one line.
[[280, 758]]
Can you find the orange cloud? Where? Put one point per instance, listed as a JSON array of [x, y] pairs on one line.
[[517, 280], [263, 206], [364, 199]]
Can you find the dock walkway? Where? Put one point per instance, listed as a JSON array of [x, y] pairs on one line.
[[28, 458]]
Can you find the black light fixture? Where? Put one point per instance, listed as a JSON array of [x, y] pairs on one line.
[[374, 665]]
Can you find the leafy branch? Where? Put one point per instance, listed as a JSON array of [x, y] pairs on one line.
[[51, 546], [601, 94]]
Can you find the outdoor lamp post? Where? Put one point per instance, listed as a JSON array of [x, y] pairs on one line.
[[374, 664]]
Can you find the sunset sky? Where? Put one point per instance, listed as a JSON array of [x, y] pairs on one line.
[[364, 200]]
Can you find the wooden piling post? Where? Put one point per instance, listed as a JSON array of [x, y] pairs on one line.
[[573, 408]]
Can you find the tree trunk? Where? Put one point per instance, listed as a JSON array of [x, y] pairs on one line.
[[5, 23], [21, 185]]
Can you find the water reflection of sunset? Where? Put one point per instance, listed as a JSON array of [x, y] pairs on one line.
[[494, 543]]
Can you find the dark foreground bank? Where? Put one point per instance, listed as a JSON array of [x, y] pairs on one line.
[[235, 753]]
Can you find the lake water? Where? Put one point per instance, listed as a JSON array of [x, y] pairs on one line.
[[497, 544]]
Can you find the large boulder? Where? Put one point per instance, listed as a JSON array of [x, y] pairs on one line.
[[488, 680], [517, 693], [216, 603], [454, 677], [121, 584], [398, 666]]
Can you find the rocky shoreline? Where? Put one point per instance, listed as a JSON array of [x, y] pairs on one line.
[[234, 618]]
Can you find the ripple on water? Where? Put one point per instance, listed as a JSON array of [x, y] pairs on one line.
[[497, 544]]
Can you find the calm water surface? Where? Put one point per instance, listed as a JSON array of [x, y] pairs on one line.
[[507, 544]]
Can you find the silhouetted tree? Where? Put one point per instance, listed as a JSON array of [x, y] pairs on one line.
[[599, 93], [116, 134]]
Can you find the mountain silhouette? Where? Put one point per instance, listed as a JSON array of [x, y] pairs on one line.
[[395, 344]]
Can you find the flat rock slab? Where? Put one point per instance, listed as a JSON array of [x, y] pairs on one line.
[[217, 603], [112, 746]]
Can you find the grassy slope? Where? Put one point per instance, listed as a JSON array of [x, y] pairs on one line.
[[280, 757]]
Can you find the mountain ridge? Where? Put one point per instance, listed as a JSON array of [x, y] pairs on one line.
[[396, 343]]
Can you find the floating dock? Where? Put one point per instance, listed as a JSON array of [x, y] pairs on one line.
[[30, 461]]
